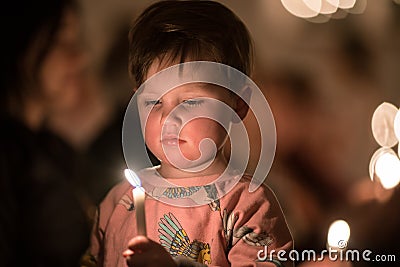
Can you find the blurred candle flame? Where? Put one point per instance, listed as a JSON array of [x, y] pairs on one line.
[[387, 168], [338, 234]]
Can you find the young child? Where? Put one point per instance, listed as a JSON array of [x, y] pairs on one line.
[[232, 229]]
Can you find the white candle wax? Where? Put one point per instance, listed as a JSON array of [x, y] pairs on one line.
[[138, 198], [139, 195]]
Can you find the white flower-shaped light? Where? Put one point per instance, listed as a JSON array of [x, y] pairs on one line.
[[383, 125], [397, 125], [312, 8], [385, 163]]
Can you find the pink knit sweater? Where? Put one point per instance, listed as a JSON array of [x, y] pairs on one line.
[[228, 232]]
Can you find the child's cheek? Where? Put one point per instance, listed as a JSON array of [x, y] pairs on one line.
[[152, 133]]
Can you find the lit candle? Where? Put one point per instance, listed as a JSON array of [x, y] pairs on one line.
[[138, 200]]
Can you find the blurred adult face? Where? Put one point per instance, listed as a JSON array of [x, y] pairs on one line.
[[63, 69]]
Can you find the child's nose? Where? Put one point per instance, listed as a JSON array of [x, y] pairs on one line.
[[171, 117]]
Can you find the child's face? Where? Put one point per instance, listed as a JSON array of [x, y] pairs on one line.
[[165, 136]]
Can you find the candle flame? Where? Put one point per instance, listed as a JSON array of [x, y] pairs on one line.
[[132, 178]]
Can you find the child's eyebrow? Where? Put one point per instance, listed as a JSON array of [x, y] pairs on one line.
[[148, 94], [190, 90]]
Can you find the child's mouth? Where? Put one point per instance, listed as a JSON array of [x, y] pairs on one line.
[[171, 141]]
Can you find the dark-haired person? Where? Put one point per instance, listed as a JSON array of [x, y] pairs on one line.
[[42, 219]]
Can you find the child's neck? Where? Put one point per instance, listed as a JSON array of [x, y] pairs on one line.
[[216, 168]]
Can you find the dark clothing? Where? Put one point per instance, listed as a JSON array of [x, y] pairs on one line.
[[103, 162], [42, 220]]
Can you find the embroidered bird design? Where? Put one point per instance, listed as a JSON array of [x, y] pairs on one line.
[[175, 240], [251, 238]]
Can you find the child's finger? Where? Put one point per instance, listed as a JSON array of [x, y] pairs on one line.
[[127, 253], [140, 243]]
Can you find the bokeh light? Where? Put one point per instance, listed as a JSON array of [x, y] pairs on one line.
[[387, 168], [385, 163], [382, 124], [397, 124], [338, 234], [301, 9], [346, 4], [312, 10]]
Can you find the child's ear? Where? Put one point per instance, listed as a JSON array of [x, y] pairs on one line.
[[241, 103]]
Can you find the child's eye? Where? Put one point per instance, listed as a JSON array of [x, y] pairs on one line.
[[193, 102], [151, 102]]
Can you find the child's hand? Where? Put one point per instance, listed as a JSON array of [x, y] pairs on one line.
[[144, 252]]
